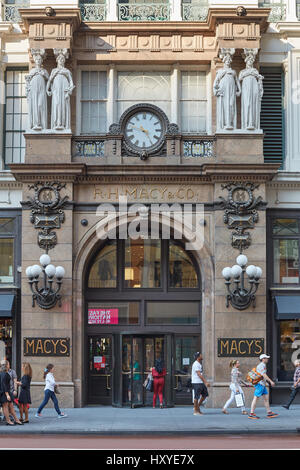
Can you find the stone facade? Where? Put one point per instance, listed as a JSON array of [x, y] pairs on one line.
[[237, 157]]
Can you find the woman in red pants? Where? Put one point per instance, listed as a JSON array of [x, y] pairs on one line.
[[158, 374]]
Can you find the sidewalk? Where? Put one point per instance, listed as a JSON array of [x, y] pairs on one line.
[[178, 420]]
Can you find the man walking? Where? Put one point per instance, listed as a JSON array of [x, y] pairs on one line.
[[261, 389], [199, 383]]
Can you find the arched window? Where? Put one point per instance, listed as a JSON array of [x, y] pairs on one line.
[[143, 282]]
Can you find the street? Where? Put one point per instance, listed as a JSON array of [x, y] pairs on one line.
[[142, 442]]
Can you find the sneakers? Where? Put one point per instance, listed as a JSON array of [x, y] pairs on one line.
[[62, 415], [38, 415], [253, 416], [272, 415]]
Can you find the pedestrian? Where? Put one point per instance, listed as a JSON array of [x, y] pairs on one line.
[[50, 392], [199, 384], [6, 398], [24, 396], [158, 374], [13, 381], [261, 389], [235, 386], [296, 385]]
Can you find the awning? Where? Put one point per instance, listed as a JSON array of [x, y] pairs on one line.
[[287, 307], [6, 305]]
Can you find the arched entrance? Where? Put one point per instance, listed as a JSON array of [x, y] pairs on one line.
[[142, 303]]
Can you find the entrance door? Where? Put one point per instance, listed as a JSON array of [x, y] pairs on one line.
[[100, 369], [139, 354], [185, 348]]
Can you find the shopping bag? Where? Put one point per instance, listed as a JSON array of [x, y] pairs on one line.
[[239, 400]]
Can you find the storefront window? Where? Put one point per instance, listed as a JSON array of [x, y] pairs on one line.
[[181, 269], [289, 348], [172, 313], [103, 273], [285, 227], [113, 313], [286, 261], [6, 339], [142, 263]]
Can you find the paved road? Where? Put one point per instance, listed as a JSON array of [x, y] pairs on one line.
[[225, 442]]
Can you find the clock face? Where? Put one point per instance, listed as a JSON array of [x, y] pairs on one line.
[[144, 130]]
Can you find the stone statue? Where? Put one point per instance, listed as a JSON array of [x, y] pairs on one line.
[[60, 86], [226, 88], [252, 92], [36, 94]]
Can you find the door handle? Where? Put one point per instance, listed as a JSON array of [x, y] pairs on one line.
[[107, 384]]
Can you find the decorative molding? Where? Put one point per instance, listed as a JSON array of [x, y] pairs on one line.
[[240, 212], [47, 211]]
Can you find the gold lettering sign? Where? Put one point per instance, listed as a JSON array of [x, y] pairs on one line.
[[240, 347], [148, 193], [46, 346]]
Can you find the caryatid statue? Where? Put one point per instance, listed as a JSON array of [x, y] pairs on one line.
[[35, 91], [60, 86], [226, 88], [252, 92]]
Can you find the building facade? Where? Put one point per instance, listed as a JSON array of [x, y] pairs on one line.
[[147, 147]]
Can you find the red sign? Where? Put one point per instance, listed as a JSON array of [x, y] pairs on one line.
[[103, 316], [99, 362]]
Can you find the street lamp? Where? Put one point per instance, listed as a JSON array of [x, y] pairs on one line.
[[238, 295], [45, 296]]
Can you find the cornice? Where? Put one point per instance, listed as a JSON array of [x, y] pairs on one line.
[[5, 28], [289, 27], [37, 15], [206, 173]]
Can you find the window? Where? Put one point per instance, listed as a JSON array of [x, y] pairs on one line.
[[93, 102], [142, 263], [6, 250], [6, 330], [272, 122], [104, 96], [144, 87], [15, 116], [103, 273], [182, 272], [193, 102], [289, 332], [113, 313], [285, 250], [175, 313]]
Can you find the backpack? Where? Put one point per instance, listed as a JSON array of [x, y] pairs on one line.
[[254, 377]]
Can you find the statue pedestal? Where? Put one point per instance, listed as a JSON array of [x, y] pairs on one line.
[[40, 147]]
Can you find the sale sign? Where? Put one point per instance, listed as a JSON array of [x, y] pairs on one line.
[[103, 316], [99, 362]]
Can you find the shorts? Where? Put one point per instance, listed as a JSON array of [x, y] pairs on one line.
[[200, 389], [260, 390]]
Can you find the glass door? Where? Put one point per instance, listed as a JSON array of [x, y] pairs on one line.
[[139, 354], [100, 370], [185, 348]]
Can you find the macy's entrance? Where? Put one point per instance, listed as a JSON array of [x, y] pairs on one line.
[[143, 302]]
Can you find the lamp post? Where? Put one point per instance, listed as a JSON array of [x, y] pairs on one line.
[[45, 296], [239, 295]]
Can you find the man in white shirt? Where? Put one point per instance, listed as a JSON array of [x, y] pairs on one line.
[[261, 389], [199, 383]]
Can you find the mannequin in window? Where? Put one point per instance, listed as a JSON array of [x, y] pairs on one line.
[[104, 270]]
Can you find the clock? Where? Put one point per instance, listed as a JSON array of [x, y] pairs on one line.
[[144, 128]]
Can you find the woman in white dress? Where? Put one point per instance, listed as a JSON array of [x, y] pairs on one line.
[[252, 92], [235, 386], [60, 86], [35, 90]]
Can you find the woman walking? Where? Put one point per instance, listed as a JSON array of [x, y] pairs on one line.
[[235, 386], [24, 397], [296, 385], [49, 392], [158, 374]]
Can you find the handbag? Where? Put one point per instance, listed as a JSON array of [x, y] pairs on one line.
[[56, 390], [149, 383], [239, 399]]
